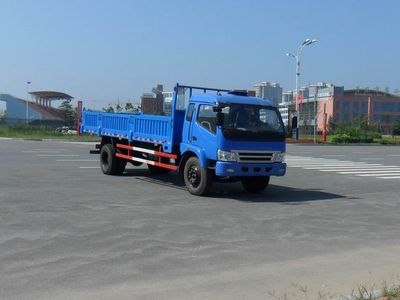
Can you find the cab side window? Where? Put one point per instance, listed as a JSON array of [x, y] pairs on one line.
[[207, 118], [190, 111]]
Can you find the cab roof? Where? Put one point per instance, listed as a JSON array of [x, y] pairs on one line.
[[213, 99]]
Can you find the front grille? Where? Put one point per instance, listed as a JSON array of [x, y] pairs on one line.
[[255, 156]]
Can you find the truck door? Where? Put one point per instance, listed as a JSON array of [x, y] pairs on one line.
[[187, 125], [203, 131]]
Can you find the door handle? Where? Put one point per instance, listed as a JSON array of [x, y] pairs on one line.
[[194, 138]]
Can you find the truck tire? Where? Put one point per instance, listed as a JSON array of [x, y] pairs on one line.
[[255, 184], [197, 179], [111, 165], [157, 170]]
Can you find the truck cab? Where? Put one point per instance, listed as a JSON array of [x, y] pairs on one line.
[[234, 137]]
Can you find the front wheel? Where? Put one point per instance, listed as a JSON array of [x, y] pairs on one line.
[[197, 179], [255, 184]]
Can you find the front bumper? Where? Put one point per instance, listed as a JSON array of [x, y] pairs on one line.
[[223, 168]]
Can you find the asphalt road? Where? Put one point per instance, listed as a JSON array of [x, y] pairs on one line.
[[69, 232]]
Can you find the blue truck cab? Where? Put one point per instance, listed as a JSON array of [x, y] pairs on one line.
[[214, 135]]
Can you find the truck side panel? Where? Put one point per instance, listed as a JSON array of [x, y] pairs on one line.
[[139, 127]]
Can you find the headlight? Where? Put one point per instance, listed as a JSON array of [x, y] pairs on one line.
[[226, 156], [279, 157]]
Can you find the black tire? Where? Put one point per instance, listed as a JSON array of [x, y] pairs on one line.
[[157, 170], [255, 184], [111, 165], [197, 179]]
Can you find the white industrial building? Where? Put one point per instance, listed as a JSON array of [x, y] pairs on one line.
[[267, 90]]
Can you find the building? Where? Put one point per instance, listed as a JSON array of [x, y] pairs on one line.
[[284, 110], [379, 107], [153, 103], [38, 112], [267, 90], [326, 103]]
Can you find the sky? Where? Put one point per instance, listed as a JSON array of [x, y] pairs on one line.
[[104, 51]]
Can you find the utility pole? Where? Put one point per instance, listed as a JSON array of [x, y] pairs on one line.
[[315, 113]]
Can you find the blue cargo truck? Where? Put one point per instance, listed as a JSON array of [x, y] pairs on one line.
[[210, 135]]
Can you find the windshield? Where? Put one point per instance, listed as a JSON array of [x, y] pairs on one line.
[[252, 122]]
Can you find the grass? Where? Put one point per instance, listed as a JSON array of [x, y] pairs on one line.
[[385, 291], [309, 139], [41, 132], [390, 140]]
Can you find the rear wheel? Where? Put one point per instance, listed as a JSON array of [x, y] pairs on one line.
[[111, 165], [255, 184], [197, 179]]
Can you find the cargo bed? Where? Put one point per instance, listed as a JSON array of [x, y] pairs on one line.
[[133, 127]]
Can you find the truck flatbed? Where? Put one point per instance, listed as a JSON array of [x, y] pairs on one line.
[[132, 127]]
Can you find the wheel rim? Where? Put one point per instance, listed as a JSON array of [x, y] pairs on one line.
[[194, 176]]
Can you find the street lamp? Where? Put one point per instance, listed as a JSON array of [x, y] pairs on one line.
[[307, 42]]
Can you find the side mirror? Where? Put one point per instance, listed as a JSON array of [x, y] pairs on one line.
[[294, 122]]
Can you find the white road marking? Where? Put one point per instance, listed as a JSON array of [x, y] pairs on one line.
[[333, 155], [41, 151], [369, 172], [295, 159], [372, 158], [345, 167], [81, 143], [49, 149], [393, 155], [316, 161], [57, 155], [321, 162], [380, 175], [355, 168], [65, 160], [89, 167], [327, 165], [358, 169]]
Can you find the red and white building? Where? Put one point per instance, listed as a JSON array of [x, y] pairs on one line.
[[331, 103]]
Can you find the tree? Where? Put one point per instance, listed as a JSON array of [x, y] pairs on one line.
[[118, 108], [3, 116], [109, 108], [128, 106], [331, 124], [67, 112], [396, 128]]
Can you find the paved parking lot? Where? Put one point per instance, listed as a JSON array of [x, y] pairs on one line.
[[69, 232]]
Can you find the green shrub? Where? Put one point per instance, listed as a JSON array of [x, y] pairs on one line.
[[360, 131]]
